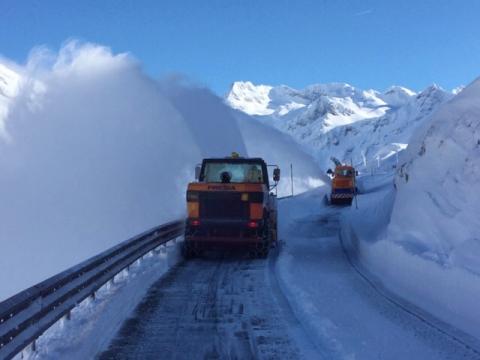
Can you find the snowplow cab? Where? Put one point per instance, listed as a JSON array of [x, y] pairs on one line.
[[343, 185], [231, 206]]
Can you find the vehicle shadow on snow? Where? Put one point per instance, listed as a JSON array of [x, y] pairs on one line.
[[316, 226]]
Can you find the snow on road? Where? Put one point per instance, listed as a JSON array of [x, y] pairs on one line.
[[346, 317], [220, 308]]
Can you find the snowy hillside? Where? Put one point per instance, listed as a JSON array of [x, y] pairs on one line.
[[366, 127]]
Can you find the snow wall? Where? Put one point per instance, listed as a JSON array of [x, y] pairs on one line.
[[423, 242], [94, 151]]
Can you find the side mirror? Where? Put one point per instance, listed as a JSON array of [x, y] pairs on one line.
[[329, 172], [276, 174], [198, 168], [356, 172]]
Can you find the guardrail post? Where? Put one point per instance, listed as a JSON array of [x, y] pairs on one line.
[[68, 315]]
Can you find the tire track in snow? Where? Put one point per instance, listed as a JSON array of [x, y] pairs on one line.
[[208, 309]]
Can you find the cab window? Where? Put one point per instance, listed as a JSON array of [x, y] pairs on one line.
[[224, 172], [344, 172]]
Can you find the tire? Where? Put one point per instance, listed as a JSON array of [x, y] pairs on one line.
[[268, 239]]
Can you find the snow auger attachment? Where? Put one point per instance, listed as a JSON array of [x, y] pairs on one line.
[[231, 206]]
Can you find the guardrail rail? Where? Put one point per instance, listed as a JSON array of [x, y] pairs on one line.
[[27, 315]]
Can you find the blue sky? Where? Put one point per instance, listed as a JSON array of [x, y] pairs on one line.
[[369, 44]]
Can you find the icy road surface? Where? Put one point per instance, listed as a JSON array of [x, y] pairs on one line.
[[224, 308], [307, 302]]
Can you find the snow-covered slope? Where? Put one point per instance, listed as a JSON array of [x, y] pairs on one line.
[[441, 175], [366, 127], [251, 99]]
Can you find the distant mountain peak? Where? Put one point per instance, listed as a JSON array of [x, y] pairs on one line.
[[339, 119], [249, 98]]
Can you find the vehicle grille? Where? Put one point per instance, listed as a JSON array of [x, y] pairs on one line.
[[223, 205]]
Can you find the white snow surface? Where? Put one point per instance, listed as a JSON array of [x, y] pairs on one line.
[[249, 98], [349, 315], [417, 241], [421, 240], [337, 119], [435, 214], [95, 152]]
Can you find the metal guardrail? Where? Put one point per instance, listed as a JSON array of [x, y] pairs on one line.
[[27, 315]]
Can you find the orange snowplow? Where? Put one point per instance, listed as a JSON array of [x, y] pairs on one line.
[[230, 206], [344, 187]]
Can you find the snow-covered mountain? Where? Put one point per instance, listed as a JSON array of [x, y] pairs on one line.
[[360, 126]]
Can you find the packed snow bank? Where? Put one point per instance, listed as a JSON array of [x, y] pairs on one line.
[[441, 175], [435, 216], [96, 152], [422, 239]]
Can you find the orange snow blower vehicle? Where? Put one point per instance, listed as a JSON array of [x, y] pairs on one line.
[[344, 187], [231, 205]]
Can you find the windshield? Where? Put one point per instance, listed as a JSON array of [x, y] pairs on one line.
[[344, 172], [233, 173]]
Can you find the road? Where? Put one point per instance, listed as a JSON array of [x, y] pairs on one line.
[[305, 301], [219, 308]]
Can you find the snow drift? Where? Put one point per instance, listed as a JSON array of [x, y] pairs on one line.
[[94, 152]]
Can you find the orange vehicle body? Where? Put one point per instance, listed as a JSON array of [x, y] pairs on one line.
[[343, 185], [230, 215]]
